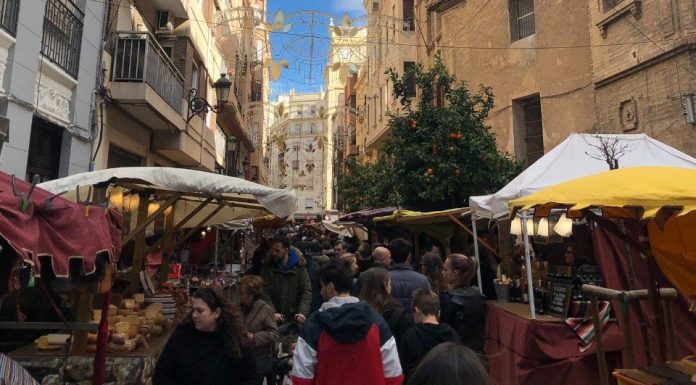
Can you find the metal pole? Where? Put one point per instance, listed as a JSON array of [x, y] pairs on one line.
[[530, 284], [476, 252]]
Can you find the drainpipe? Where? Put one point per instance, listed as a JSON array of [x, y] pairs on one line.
[[98, 89]]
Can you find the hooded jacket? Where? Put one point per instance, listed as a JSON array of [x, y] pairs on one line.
[[463, 308], [346, 343], [288, 288], [419, 340]]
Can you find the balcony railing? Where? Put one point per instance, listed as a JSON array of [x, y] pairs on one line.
[[139, 58], [62, 34], [9, 10]]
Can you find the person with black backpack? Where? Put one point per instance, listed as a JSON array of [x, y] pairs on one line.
[[376, 291], [463, 306]]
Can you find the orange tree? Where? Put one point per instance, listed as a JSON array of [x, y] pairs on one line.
[[438, 153]]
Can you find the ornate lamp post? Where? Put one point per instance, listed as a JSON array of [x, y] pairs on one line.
[[198, 105]]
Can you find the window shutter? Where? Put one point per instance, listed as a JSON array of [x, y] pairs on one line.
[[512, 10]]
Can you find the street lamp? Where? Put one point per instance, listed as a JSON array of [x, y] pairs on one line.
[[198, 105]]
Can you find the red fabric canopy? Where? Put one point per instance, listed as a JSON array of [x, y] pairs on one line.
[[57, 232]]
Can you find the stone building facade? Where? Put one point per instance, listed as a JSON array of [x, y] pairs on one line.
[[644, 68], [49, 65], [557, 67], [299, 152]]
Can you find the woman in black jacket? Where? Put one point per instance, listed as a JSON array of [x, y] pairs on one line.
[[462, 306], [207, 348], [376, 290]]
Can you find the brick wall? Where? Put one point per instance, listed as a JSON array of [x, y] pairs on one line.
[[649, 102]]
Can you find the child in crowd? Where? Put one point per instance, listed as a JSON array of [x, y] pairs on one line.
[[427, 333]]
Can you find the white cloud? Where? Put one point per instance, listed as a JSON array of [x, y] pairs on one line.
[[348, 6]]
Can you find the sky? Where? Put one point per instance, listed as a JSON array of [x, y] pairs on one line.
[[305, 45]]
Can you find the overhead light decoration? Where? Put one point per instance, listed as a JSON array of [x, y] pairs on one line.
[[564, 227], [543, 229]]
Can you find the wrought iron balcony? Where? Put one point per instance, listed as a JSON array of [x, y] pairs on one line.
[[9, 10], [62, 33], [139, 58]]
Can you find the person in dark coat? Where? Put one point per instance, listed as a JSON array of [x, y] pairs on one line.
[[376, 291], [289, 289], [261, 326], [427, 333], [404, 279], [207, 348], [462, 306]]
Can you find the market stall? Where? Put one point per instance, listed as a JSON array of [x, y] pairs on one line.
[[623, 206], [56, 249], [173, 205]]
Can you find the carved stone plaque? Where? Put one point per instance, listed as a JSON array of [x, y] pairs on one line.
[[628, 113]]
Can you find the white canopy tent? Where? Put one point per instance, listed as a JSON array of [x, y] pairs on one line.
[[578, 156], [186, 199], [242, 199], [574, 158]]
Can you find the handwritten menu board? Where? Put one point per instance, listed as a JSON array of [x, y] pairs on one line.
[[560, 300]]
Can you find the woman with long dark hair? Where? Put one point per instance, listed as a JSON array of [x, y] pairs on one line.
[[206, 349], [450, 363], [462, 306], [431, 267], [376, 290]]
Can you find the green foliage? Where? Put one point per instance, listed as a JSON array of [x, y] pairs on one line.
[[436, 155], [366, 185]]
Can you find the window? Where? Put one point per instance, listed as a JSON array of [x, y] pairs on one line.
[[122, 158], [409, 21], [295, 164], [44, 150], [433, 27], [168, 50], [8, 17], [309, 203], [62, 35], [409, 78], [529, 133], [162, 19], [610, 4], [521, 19]]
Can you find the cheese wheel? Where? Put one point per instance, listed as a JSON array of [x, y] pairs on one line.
[[127, 304], [122, 327], [91, 348], [119, 338], [91, 337], [139, 297]]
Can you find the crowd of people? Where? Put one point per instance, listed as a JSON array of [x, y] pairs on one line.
[[313, 313]]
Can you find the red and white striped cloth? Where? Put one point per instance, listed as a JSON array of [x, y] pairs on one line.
[[580, 320], [12, 373]]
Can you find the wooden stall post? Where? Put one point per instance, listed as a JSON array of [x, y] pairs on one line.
[[601, 357], [669, 322], [82, 299], [139, 246], [629, 359], [657, 310], [167, 244]]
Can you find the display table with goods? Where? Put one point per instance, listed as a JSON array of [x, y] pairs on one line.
[[544, 350], [138, 329]]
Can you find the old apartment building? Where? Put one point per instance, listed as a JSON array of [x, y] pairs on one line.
[[392, 42], [298, 151], [49, 65], [159, 57], [555, 67]]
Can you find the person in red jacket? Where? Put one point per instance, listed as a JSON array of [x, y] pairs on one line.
[[345, 342]]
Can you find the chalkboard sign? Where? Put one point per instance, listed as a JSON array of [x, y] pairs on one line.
[[560, 300]]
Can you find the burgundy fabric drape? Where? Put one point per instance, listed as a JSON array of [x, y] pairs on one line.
[[57, 231], [622, 268], [526, 352]]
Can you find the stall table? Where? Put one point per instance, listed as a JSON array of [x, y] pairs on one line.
[[132, 368], [523, 351]]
